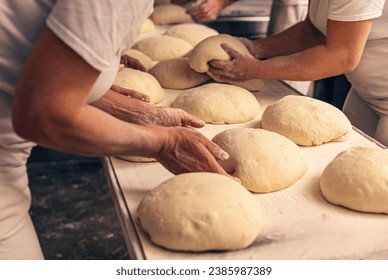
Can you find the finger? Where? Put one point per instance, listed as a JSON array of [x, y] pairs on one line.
[[231, 52], [190, 120], [218, 64], [130, 93], [215, 150]]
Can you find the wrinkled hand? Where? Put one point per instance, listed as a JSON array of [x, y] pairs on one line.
[[187, 150], [210, 11], [238, 68], [130, 93], [166, 116], [131, 62]]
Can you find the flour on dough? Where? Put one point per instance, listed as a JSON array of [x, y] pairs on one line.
[[219, 103], [210, 49], [142, 82], [164, 14], [358, 179], [163, 47], [177, 74], [191, 32], [200, 212], [264, 161], [306, 121]]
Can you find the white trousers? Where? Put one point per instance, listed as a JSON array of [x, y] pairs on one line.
[[18, 239]]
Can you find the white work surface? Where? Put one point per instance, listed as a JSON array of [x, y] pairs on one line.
[[298, 222]]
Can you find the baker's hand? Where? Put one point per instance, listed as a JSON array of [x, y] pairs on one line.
[[208, 11], [130, 93], [131, 62], [166, 116], [187, 150], [238, 68]]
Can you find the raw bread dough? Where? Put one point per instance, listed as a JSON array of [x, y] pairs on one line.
[[200, 212], [358, 179], [191, 32], [142, 82], [137, 158], [177, 74], [148, 26], [164, 14], [306, 121], [142, 57], [163, 47], [210, 49], [219, 103], [264, 161]]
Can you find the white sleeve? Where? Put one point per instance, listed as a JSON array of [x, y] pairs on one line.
[[355, 10], [98, 30]]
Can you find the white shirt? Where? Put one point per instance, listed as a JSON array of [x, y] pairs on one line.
[[370, 78], [98, 31]]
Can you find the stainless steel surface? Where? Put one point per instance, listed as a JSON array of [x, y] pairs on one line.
[[247, 18]]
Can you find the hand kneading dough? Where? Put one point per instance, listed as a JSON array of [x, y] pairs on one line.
[[163, 47], [142, 82], [306, 121], [169, 14], [200, 212], [358, 179], [210, 49], [191, 32], [264, 161], [177, 74], [219, 103], [142, 57]]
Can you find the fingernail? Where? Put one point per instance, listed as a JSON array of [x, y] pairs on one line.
[[224, 155]]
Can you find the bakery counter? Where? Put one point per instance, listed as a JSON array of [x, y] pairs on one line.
[[298, 222]]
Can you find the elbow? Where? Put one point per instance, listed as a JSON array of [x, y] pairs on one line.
[[350, 64]]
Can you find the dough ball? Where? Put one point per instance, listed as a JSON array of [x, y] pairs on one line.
[[163, 47], [169, 14], [200, 212], [148, 26], [219, 103], [264, 161], [137, 159], [210, 49], [306, 121], [191, 32], [177, 74], [358, 179], [142, 57], [142, 82]]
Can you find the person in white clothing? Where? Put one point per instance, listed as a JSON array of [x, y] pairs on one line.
[[57, 64], [337, 37]]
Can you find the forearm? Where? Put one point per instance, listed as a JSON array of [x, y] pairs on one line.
[[92, 132], [312, 64], [301, 36], [123, 107]]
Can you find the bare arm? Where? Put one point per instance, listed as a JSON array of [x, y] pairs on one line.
[[340, 53], [49, 108]]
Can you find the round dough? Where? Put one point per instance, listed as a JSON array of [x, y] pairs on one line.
[[177, 74], [264, 161], [169, 14], [210, 49], [148, 26], [358, 179], [200, 212], [306, 121], [191, 32], [163, 47], [219, 103], [142, 82], [142, 57]]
